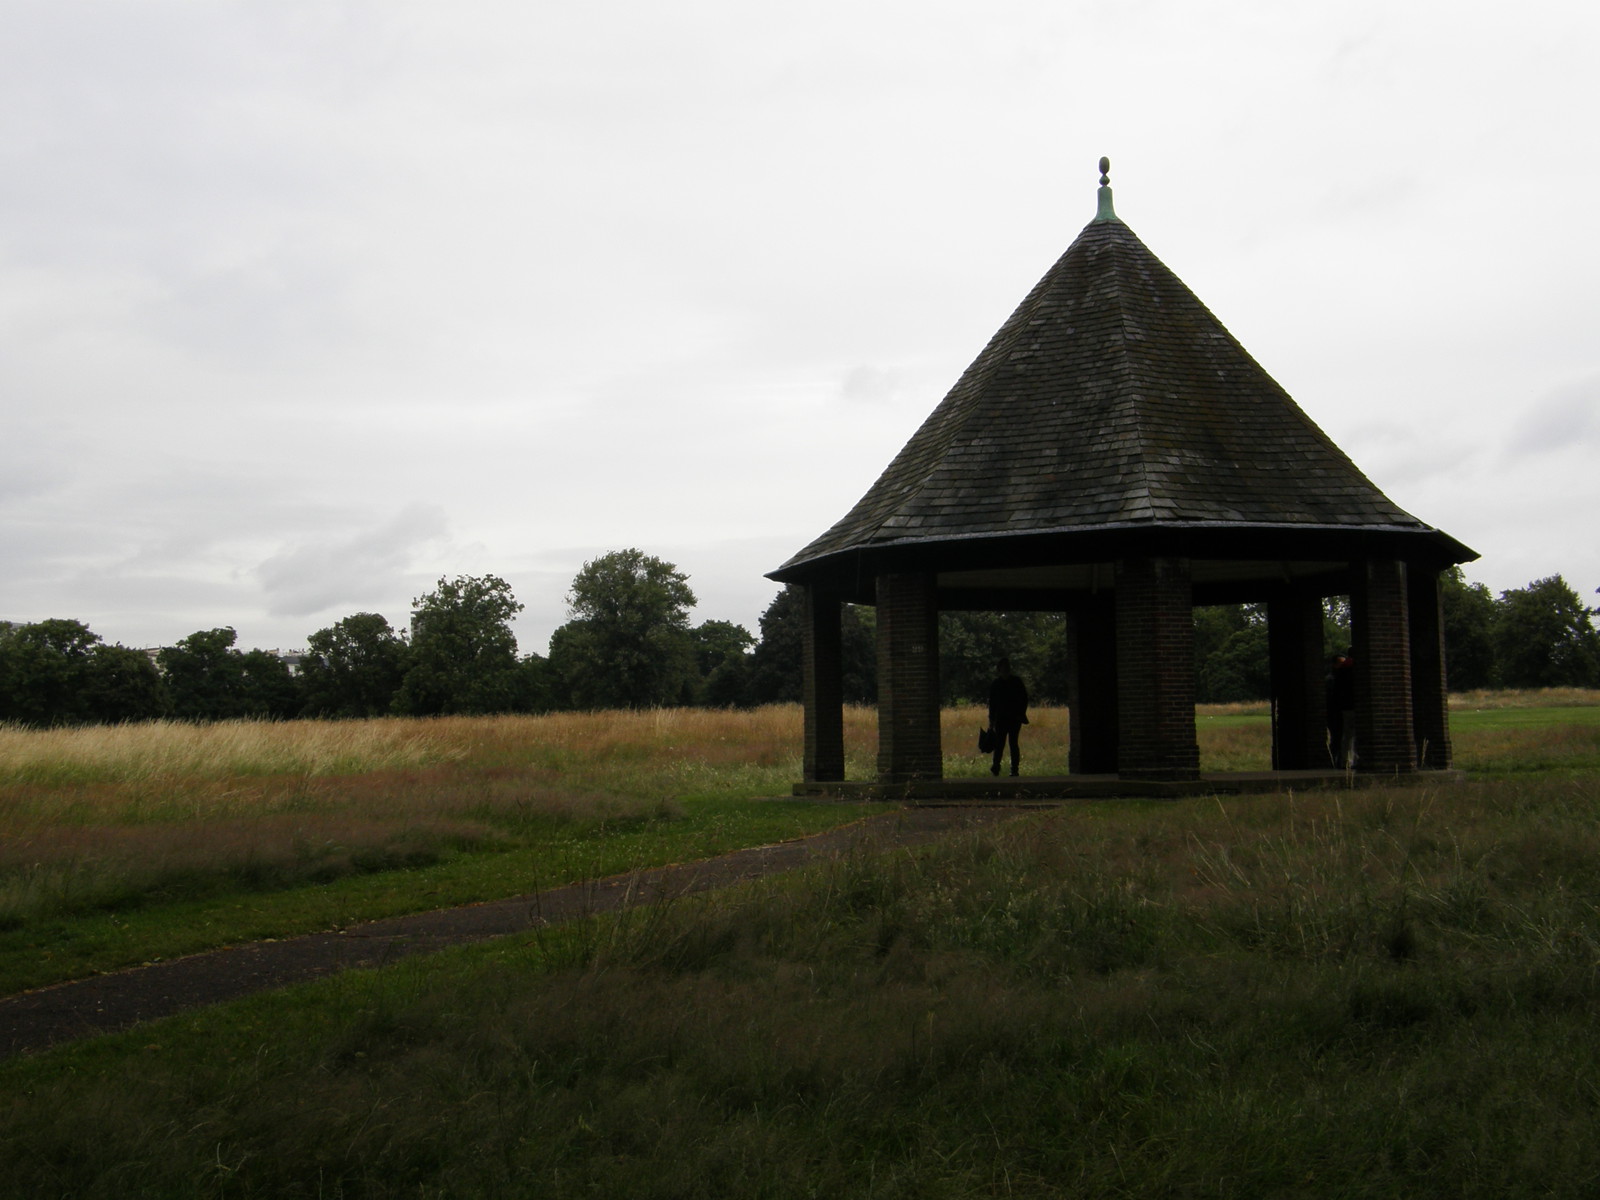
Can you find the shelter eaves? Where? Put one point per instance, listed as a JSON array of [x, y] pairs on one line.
[[1114, 405]]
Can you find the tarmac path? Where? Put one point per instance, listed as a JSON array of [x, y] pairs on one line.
[[36, 1020]]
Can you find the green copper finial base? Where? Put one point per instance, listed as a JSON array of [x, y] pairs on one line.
[[1105, 212]]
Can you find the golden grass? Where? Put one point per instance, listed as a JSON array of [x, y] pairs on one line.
[[148, 801], [1043, 742], [168, 749], [620, 750], [90, 817]]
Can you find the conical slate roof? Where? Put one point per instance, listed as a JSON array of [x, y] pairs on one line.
[[1112, 400]]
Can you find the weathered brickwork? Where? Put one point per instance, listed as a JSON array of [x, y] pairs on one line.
[[908, 679], [1294, 647], [1430, 697], [1092, 687], [1381, 636], [822, 686], [1155, 670]]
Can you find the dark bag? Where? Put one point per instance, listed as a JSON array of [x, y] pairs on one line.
[[985, 741]]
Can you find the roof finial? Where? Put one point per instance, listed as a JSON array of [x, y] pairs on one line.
[[1105, 212]]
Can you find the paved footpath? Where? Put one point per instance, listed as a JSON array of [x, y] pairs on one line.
[[36, 1020]]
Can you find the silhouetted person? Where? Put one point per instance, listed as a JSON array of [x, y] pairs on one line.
[[1341, 692], [1008, 713]]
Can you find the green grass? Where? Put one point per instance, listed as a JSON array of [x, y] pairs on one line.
[[1560, 741], [144, 928], [125, 846], [1380, 993], [128, 844], [1386, 993], [1470, 720]]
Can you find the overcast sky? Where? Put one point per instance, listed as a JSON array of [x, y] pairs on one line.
[[305, 304]]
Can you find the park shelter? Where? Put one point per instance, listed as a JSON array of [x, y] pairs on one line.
[[1114, 454]]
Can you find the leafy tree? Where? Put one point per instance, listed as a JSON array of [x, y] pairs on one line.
[[463, 653], [1469, 619], [972, 643], [627, 643], [268, 689], [44, 667], [205, 676], [1335, 625], [1545, 637], [1232, 660], [1230, 651], [717, 642], [536, 687], [354, 667], [722, 653], [728, 686], [775, 666], [58, 672], [124, 685]]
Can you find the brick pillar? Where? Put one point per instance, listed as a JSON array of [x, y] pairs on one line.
[[822, 687], [1430, 695], [1300, 707], [1381, 636], [1092, 687], [908, 679], [1155, 670]]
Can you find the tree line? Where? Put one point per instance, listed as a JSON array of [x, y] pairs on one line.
[[628, 643], [1538, 636]]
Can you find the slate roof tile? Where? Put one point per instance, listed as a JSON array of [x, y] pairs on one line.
[[1111, 395]]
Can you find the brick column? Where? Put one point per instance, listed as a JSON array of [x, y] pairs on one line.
[[1294, 648], [822, 686], [1092, 687], [1381, 636], [1155, 670], [908, 679], [1430, 695]]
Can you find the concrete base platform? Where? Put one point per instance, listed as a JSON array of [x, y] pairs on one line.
[[1060, 789]]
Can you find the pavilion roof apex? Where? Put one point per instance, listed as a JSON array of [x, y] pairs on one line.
[[1104, 211], [1113, 399]]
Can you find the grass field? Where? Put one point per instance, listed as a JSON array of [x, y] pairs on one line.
[[1384, 993]]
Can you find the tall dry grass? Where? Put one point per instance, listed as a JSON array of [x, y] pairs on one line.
[[100, 815], [633, 749], [170, 750], [102, 818]]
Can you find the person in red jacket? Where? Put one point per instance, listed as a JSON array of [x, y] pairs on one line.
[[1008, 713]]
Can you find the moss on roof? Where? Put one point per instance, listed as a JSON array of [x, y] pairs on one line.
[[1112, 397]]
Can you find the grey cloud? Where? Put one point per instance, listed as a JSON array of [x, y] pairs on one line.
[[310, 577], [1566, 417], [264, 266], [1399, 457], [869, 384], [277, 307], [24, 478]]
